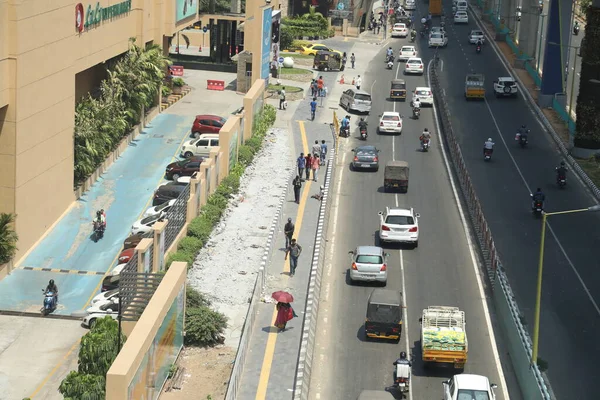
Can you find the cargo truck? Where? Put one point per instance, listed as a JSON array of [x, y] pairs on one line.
[[474, 86], [443, 336], [435, 7]]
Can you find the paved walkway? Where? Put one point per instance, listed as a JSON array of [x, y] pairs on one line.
[[67, 254]]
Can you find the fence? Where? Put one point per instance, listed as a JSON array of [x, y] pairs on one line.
[[530, 379], [135, 291], [176, 216]]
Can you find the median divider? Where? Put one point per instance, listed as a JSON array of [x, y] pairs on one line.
[[533, 383]]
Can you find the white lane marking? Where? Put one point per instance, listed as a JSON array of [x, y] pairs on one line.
[[442, 65], [373, 84], [474, 262], [587, 291], [405, 323]]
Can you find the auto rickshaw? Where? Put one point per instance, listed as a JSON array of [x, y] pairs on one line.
[[384, 314], [398, 89], [395, 176], [328, 61]]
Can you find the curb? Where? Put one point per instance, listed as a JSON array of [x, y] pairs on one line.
[[311, 312], [539, 114], [174, 98]]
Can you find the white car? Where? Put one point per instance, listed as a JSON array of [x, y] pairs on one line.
[[391, 122], [476, 35], [399, 30], [105, 297], [505, 86], [438, 40], [144, 225], [424, 94], [163, 208], [414, 65], [461, 17], [368, 264], [410, 5], [103, 311], [469, 386], [437, 29], [109, 305], [407, 52], [400, 225]]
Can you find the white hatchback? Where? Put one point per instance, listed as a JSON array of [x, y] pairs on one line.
[[414, 65], [391, 122], [407, 52], [144, 225], [461, 17], [400, 225], [399, 30], [424, 94]]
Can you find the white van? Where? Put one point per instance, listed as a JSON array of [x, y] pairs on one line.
[[200, 146], [462, 5]]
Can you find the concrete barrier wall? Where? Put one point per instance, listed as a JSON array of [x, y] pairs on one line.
[[253, 104]]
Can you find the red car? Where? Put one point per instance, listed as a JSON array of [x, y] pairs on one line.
[[126, 255], [207, 124]]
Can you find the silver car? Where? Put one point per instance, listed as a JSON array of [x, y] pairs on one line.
[[476, 35], [369, 264], [357, 100], [365, 157]]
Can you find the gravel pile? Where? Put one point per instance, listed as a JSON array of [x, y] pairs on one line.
[[225, 269]]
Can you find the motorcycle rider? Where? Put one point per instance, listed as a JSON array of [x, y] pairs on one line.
[[576, 28], [413, 34], [403, 361], [522, 131], [561, 170], [52, 288], [362, 124], [425, 136], [345, 124], [488, 145], [416, 103], [478, 44], [389, 53], [101, 218], [538, 196]]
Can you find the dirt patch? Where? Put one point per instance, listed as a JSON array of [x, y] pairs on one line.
[[591, 168], [203, 374], [299, 77]]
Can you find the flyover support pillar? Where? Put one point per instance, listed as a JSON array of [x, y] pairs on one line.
[[528, 29]]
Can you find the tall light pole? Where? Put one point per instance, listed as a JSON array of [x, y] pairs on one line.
[[538, 297], [539, 52]]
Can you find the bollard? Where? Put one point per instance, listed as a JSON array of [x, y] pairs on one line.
[[342, 80]]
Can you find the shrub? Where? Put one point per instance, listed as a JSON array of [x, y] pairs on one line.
[[194, 298], [297, 45], [178, 82], [190, 245], [200, 228], [237, 170], [229, 185], [180, 255], [217, 200], [245, 155], [203, 326], [211, 213], [286, 40], [255, 143]]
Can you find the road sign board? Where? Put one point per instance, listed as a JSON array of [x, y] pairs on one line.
[[205, 29], [280, 60]]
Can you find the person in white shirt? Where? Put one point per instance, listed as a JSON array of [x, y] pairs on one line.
[[358, 82]]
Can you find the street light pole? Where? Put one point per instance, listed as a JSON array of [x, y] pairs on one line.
[[539, 53], [538, 296], [573, 79]]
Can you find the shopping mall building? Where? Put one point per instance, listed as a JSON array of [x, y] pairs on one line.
[[52, 54]]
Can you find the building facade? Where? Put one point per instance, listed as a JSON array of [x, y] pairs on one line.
[[52, 53]]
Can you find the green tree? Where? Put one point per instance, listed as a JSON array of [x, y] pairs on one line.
[[8, 238], [78, 386]]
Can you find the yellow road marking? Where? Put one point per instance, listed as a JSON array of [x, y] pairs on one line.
[[265, 372], [47, 378]]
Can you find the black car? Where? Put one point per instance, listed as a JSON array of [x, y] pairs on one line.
[[365, 157], [110, 282], [187, 167], [167, 192]]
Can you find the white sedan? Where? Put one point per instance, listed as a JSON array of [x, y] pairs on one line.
[[105, 297], [424, 95], [390, 121], [106, 310], [414, 65], [438, 40], [399, 30], [469, 386], [407, 52], [461, 17], [476, 35], [144, 225], [163, 208]]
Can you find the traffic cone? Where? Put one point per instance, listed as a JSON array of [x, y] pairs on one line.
[[342, 80], [200, 49]]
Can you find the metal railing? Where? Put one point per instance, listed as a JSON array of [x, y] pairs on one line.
[[135, 292], [176, 216]]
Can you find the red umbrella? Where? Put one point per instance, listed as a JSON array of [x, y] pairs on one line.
[[283, 297]]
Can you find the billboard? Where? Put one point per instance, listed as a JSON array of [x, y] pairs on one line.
[[267, 22], [154, 369], [185, 9]]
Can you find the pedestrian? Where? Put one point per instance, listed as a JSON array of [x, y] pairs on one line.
[[308, 166], [314, 165], [297, 183], [358, 82], [288, 230], [285, 313], [293, 250], [344, 60], [352, 60], [320, 84], [313, 108], [282, 98], [301, 164], [323, 151], [314, 88], [316, 150], [378, 25]]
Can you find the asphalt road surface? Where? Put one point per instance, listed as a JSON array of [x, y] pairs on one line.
[[570, 318], [439, 272]]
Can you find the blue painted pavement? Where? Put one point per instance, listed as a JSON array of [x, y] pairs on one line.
[[124, 191]]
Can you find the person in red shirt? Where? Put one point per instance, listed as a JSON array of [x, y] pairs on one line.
[[308, 165], [320, 85]]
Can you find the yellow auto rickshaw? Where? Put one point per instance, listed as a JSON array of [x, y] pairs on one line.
[[398, 89]]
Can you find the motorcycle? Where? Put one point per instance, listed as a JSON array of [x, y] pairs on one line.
[[49, 302], [416, 112], [561, 180], [425, 145], [412, 38], [363, 133], [389, 59], [478, 49], [344, 132], [402, 377], [98, 230], [523, 141], [576, 30], [390, 64], [537, 207], [487, 154]]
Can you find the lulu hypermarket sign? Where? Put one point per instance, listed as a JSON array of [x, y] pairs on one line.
[[97, 14]]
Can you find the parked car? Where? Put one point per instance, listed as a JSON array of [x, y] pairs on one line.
[[369, 264], [200, 146], [110, 305], [414, 65], [163, 208], [105, 297], [132, 241], [111, 311], [357, 100], [400, 225], [186, 167], [117, 270], [167, 192], [110, 282], [126, 255], [207, 124], [365, 157], [144, 225]]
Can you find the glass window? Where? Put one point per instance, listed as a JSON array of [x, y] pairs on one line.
[[205, 122], [464, 394], [367, 259], [362, 96], [399, 220], [391, 118], [214, 142], [202, 142], [194, 164]]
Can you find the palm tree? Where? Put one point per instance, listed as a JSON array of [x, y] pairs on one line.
[[587, 133], [8, 238]]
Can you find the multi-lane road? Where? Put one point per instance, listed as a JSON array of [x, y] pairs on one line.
[[441, 271]]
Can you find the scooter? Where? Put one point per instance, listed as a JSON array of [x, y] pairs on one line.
[[561, 181], [363, 134], [413, 38], [425, 145], [478, 49], [402, 377], [49, 302], [390, 64], [344, 132], [416, 112], [487, 154], [537, 207], [576, 30], [98, 230]]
